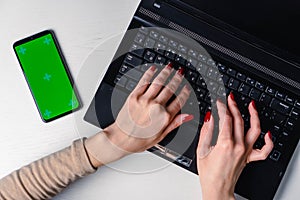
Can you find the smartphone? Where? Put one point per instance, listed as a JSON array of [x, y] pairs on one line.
[[47, 75]]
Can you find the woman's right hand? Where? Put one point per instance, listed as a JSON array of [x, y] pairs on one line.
[[220, 166]]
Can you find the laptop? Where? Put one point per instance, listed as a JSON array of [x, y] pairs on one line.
[[251, 47]]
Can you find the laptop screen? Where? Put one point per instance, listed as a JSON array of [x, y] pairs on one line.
[[275, 22]]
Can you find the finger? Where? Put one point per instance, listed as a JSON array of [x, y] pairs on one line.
[[176, 105], [238, 122], [158, 82], [175, 123], [170, 89], [255, 130], [225, 122], [263, 153], [205, 138], [144, 81]]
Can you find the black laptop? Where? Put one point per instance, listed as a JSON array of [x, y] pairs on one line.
[[252, 47]]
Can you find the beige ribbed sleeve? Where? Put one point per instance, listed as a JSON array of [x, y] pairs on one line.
[[48, 176]]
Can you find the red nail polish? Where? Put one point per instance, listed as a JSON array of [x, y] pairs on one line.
[[180, 71], [207, 116], [187, 118], [253, 104], [170, 65], [153, 68], [231, 96], [270, 134]]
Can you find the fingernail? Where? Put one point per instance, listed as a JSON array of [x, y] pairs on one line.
[[170, 65], [187, 118], [153, 68], [269, 134], [207, 116], [180, 71], [253, 104], [231, 96]]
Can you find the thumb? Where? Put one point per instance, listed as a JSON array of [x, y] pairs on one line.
[[175, 123]]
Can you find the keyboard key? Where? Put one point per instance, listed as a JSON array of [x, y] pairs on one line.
[[295, 113], [202, 58], [275, 155], [154, 35], [134, 74], [124, 69], [225, 79], [231, 72], [280, 95], [132, 60], [192, 53], [131, 85], [241, 77], [149, 43], [250, 81], [280, 106], [284, 136], [290, 123], [139, 38], [181, 59], [270, 91], [213, 87], [120, 80], [280, 145], [265, 99], [201, 82], [289, 100], [191, 63], [173, 44], [202, 68], [137, 50], [146, 66], [221, 91], [278, 118], [182, 49], [163, 39], [297, 104], [233, 84], [211, 62], [144, 30], [149, 56], [170, 54], [260, 86], [200, 92], [160, 60], [244, 89], [254, 94], [212, 74], [192, 76], [222, 68], [160, 48]]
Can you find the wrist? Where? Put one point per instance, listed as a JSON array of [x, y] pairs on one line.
[[217, 195], [215, 192], [105, 147]]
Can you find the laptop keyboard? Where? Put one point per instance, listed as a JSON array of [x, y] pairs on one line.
[[277, 110]]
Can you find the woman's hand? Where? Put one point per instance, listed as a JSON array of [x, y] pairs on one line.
[[145, 119], [220, 166]]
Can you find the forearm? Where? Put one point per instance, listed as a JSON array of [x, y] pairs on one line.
[[47, 177]]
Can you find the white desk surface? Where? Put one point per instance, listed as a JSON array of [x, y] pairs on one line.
[[80, 27]]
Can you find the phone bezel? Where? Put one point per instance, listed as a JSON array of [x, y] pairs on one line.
[[36, 36]]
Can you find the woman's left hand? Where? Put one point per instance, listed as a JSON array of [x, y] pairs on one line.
[[145, 119]]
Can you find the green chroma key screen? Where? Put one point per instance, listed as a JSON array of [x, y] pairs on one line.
[[47, 75]]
